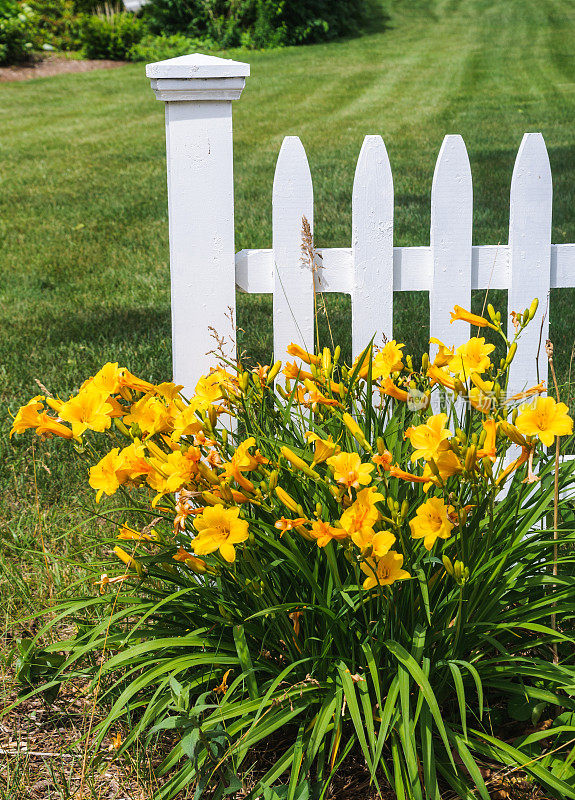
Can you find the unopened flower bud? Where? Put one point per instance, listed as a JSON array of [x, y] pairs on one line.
[[533, 308], [243, 381], [448, 565], [336, 354], [273, 480], [356, 432], [272, 374], [511, 354], [471, 458]]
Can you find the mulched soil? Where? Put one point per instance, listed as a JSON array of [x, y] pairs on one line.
[[52, 65]]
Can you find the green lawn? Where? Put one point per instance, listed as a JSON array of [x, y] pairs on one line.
[[83, 218]]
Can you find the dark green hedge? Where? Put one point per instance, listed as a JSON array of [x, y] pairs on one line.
[[259, 23]]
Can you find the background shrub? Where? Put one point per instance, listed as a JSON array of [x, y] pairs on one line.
[[57, 23], [16, 32], [157, 48], [111, 34], [259, 23]]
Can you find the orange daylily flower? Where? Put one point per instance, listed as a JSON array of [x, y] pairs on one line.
[[389, 388], [299, 352], [460, 313]]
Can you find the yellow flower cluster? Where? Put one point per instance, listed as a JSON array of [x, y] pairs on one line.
[[217, 484]]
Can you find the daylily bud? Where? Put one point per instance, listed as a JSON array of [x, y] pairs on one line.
[[336, 354], [272, 374], [511, 354], [285, 498], [533, 308], [243, 381], [326, 361], [128, 560], [273, 480], [380, 446], [460, 573], [487, 466], [121, 427], [390, 504], [448, 565], [212, 499], [404, 509], [299, 463], [491, 312], [424, 362], [471, 458], [459, 387], [282, 391], [208, 474], [512, 433], [213, 416], [226, 492], [225, 436], [514, 415], [462, 517], [409, 363], [318, 509], [356, 432], [433, 467], [461, 435]]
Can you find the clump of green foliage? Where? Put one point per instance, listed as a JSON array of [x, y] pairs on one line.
[[111, 34], [56, 23], [157, 48], [16, 32]]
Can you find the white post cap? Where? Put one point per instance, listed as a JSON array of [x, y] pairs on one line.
[[197, 77]]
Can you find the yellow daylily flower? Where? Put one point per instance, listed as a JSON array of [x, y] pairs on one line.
[[431, 522], [103, 475], [89, 409], [444, 353], [151, 415], [349, 471], [473, 356], [220, 529], [387, 360], [427, 439], [323, 448], [384, 571], [446, 464], [545, 419]]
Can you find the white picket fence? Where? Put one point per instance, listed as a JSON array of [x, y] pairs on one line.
[[198, 93]]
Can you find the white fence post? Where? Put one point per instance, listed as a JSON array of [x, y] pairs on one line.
[[293, 311], [451, 239], [372, 245], [530, 257], [198, 91]]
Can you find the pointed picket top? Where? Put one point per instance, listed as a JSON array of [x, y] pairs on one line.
[[451, 239], [293, 311], [372, 245], [530, 214]]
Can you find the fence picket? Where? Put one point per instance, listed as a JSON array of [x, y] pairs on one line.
[[530, 256], [293, 303], [372, 245], [451, 237]]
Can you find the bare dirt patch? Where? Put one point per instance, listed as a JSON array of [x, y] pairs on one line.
[[53, 65]]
